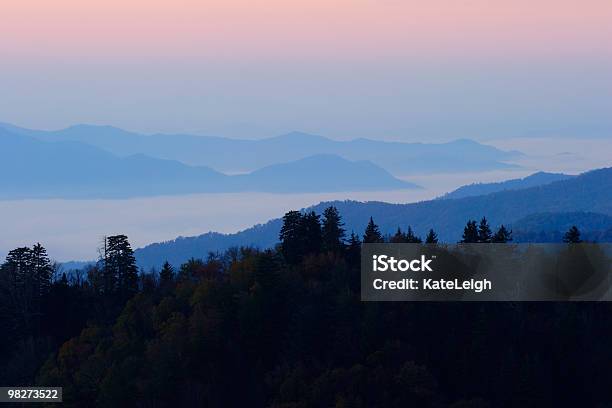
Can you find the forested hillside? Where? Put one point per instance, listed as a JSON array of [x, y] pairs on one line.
[[536, 179], [588, 192], [286, 328], [550, 227]]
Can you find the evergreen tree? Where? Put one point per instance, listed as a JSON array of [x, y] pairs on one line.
[[353, 250], [42, 269], [572, 236], [24, 283], [104, 276], [398, 238], [291, 237], [63, 281], [166, 276], [119, 266], [470, 233], [484, 231], [502, 235], [18, 266], [267, 271], [17, 291], [432, 237], [411, 237], [332, 231], [311, 232], [372, 233]]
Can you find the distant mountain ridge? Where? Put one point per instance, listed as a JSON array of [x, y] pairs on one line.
[[31, 168], [241, 155], [476, 189], [589, 192], [321, 173], [550, 227]]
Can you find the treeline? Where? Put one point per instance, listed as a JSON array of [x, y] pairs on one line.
[[286, 328], [304, 233]]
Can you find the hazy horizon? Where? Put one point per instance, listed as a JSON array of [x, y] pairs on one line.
[[394, 70], [528, 75], [71, 229]]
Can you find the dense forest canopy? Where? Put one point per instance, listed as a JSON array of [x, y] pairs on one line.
[[286, 328]]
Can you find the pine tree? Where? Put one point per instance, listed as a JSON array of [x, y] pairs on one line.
[[502, 235], [332, 231], [470, 233], [267, 271], [398, 238], [572, 236], [105, 273], [25, 281], [119, 266], [17, 267], [63, 281], [411, 237], [353, 250], [432, 237], [42, 269], [166, 276], [311, 232], [484, 231], [291, 237], [372, 234], [17, 290]]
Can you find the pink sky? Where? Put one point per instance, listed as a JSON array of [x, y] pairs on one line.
[[238, 29], [394, 69]]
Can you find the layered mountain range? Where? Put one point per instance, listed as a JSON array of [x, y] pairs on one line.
[[539, 213], [243, 155], [33, 168]]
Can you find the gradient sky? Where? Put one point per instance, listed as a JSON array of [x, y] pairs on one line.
[[394, 69]]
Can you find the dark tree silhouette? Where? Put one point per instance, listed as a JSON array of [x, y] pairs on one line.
[[411, 238], [572, 236], [432, 237], [300, 235], [502, 236], [167, 273], [372, 233], [311, 232], [332, 231], [484, 231], [398, 238], [470, 233], [25, 281], [119, 266], [353, 250], [236, 319], [191, 270], [42, 269], [18, 292], [166, 276], [291, 237]]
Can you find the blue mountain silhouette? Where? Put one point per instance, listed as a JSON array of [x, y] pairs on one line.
[[590, 192], [32, 168], [238, 155], [536, 179]]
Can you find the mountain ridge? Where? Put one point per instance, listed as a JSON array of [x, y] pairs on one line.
[[587, 192], [69, 169], [536, 179], [242, 155]]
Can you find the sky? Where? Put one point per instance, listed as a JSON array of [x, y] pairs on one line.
[[387, 69]]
